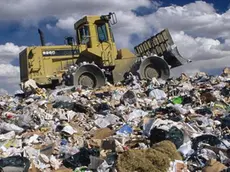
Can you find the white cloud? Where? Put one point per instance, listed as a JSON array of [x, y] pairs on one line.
[[9, 77], [9, 74], [67, 23], [8, 70], [196, 29], [198, 19], [209, 66], [3, 91], [128, 22], [8, 52], [199, 48], [40, 9]]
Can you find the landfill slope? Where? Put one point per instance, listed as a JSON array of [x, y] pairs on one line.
[[181, 124]]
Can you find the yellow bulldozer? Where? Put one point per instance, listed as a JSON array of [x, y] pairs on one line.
[[92, 59]]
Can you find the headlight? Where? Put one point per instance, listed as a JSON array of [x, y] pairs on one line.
[[48, 52]]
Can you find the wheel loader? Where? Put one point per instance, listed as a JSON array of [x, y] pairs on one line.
[[92, 58]]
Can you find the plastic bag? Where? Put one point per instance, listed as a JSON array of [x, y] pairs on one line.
[[9, 163], [157, 94], [136, 114], [129, 97], [174, 134], [10, 127], [81, 158]]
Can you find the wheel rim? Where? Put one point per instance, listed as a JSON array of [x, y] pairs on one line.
[[154, 67], [87, 80], [151, 72], [89, 76]]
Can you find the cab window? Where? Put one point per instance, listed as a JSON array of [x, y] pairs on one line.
[[102, 33], [83, 35], [111, 33]]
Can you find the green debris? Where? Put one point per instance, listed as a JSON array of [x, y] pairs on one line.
[[177, 100], [81, 169]]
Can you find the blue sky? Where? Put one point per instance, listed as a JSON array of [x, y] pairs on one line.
[[137, 20], [20, 35]]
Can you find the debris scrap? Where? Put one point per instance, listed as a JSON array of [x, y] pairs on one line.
[[178, 125]]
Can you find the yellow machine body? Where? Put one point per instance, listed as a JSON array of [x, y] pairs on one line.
[[94, 44]]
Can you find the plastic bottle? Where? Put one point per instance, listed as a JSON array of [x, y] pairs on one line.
[[64, 149]]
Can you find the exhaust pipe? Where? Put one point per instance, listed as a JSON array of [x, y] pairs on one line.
[[41, 37]]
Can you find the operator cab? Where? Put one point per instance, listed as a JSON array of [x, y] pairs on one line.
[[95, 28], [95, 39]]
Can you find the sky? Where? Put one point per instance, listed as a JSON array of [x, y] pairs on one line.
[[200, 29]]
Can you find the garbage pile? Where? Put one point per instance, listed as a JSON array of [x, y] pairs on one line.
[[182, 124]]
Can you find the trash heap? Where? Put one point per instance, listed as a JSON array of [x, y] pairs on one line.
[[182, 124]]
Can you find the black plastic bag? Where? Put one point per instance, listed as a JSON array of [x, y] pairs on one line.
[[15, 161], [225, 122], [174, 135], [129, 97], [81, 158], [102, 107], [204, 111], [206, 138], [76, 107], [225, 91]]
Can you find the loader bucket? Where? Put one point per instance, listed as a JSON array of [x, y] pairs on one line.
[[173, 58], [154, 67], [161, 44], [89, 76]]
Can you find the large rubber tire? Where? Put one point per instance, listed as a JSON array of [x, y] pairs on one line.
[[89, 76], [154, 67]]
